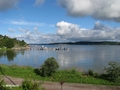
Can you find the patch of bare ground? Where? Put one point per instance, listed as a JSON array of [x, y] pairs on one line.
[[57, 86]]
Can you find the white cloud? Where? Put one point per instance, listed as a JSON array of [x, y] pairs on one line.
[[26, 23], [72, 32], [99, 26], [100, 9], [23, 30], [65, 28], [39, 2], [67, 32], [11, 30], [33, 36], [7, 4], [35, 28]]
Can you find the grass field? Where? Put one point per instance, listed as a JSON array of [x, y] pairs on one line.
[[69, 76]]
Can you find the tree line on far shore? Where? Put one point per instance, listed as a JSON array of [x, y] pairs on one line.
[[90, 43]]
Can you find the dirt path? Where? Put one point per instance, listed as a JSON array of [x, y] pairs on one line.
[[66, 86]]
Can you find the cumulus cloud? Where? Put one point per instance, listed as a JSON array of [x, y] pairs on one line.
[[99, 9], [7, 4], [39, 2], [72, 32], [34, 36], [69, 32], [99, 26], [65, 28]]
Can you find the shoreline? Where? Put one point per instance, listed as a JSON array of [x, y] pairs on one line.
[[21, 48], [17, 48], [71, 76]]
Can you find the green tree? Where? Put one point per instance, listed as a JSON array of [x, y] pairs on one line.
[[22, 43], [8, 43], [49, 67], [113, 71], [1, 43]]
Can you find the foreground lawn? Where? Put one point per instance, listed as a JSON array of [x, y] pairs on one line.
[[70, 76]]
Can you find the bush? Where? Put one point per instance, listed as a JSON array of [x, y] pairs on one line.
[[113, 71], [29, 85], [3, 85], [90, 72], [49, 67]]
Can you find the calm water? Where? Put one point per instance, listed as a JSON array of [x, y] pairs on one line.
[[82, 57]]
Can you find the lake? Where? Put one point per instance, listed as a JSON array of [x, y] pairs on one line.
[[81, 57]]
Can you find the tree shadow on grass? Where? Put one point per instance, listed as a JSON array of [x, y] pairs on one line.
[[6, 76]]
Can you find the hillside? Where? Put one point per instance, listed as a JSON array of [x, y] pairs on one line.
[[7, 42]]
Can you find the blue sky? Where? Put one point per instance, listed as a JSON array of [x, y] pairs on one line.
[[45, 21]]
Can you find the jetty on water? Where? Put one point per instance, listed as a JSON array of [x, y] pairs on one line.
[[48, 48]]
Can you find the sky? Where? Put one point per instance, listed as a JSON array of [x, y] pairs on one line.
[[48, 21]]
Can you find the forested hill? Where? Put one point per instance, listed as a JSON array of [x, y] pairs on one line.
[[8, 42], [90, 43]]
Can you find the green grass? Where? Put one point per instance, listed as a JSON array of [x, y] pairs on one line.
[[69, 76], [3, 49], [18, 71], [73, 76]]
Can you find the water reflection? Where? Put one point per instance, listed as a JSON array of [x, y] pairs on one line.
[[79, 56], [78, 59], [88, 57], [2, 53], [10, 55]]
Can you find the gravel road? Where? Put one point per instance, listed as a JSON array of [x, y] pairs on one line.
[[66, 86]]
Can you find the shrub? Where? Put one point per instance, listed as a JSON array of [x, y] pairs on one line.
[[49, 67], [29, 85], [3, 85], [113, 71], [90, 72]]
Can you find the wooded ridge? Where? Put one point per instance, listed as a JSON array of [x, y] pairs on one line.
[[7, 42]]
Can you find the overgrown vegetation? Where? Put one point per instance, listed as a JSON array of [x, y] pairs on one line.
[[2, 85], [61, 76], [7, 42], [26, 85], [31, 85], [113, 71]]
